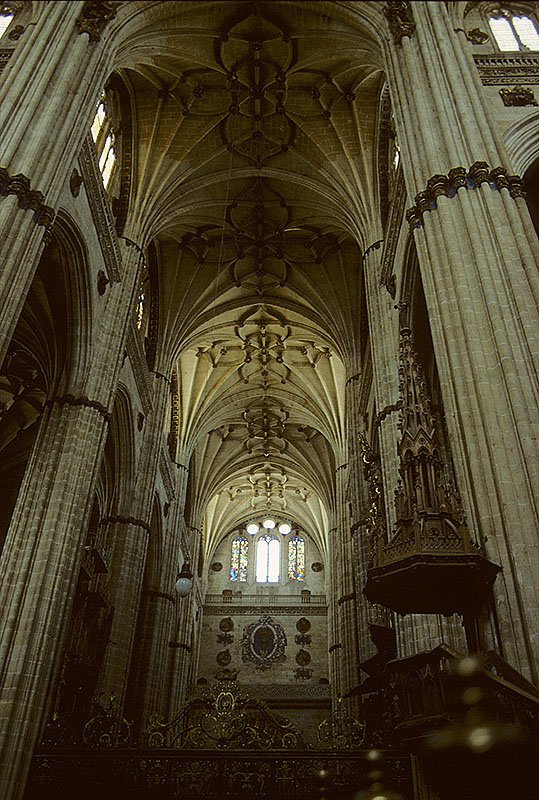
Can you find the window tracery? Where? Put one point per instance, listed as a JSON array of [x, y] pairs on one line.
[[512, 31]]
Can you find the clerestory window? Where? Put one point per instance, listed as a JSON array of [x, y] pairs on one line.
[[5, 22], [513, 32], [103, 136], [268, 556]]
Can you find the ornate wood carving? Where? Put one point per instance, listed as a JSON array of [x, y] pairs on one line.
[[431, 565]]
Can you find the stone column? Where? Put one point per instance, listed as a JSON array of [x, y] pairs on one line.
[[42, 554], [130, 545], [51, 83], [478, 258]]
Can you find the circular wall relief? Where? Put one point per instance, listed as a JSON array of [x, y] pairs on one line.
[[303, 658], [226, 624], [317, 566], [303, 625], [216, 566], [224, 658]]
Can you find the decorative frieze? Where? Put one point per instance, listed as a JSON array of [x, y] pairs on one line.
[[458, 178], [400, 20], [28, 198], [100, 209], [504, 69]]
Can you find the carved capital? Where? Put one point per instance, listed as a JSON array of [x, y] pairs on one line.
[[400, 20], [95, 16], [28, 198], [458, 178], [71, 400]]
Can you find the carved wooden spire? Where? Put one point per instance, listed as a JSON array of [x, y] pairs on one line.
[[431, 564]]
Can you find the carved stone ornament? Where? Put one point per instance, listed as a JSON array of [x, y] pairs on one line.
[[226, 624], [19, 185], [216, 566], [263, 643], [303, 658], [75, 182], [224, 658], [7, 9], [518, 96], [95, 16], [102, 282], [400, 20], [475, 35], [303, 625], [317, 566], [460, 178]]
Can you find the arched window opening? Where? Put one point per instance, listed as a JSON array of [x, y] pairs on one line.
[[514, 32], [5, 22], [238, 559], [104, 139], [268, 555], [296, 558]]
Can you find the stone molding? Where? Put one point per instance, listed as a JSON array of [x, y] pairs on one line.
[[165, 470], [458, 178], [386, 411], [400, 20], [158, 595], [118, 519], [392, 233], [95, 16], [180, 646], [346, 598], [28, 198], [71, 400], [139, 366], [100, 210]]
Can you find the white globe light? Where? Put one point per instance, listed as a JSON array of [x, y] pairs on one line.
[[252, 528], [269, 524], [285, 528], [183, 586]]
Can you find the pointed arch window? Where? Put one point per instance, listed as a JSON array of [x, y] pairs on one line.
[[238, 559], [268, 556], [296, 558], [104, 139], [514, 32]]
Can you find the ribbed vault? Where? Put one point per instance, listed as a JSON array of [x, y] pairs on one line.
[[255, 132]]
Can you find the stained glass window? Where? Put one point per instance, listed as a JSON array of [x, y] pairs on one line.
[[238, 560], [268, 554], [296, 559]]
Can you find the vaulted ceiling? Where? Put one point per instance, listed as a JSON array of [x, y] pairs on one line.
[[255, 178]]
